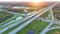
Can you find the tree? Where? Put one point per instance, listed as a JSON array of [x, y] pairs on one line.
[[57, 32]]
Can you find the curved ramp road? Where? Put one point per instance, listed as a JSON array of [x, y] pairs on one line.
[[52, 29], [46, 29], [26, 23], [12, 21], [45, 20], [16, 23], [12, 25]]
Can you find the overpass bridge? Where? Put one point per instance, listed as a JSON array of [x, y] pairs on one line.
[[28, 20]]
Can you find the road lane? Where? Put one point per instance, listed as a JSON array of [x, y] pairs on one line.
[[26, 23], [23, 20], [12, 25]]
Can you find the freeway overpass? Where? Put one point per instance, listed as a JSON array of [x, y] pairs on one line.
[[29, 21], [31, 18]]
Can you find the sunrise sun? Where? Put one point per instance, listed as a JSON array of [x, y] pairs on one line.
[[36, 1]]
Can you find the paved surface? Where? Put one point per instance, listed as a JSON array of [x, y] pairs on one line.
[[10, 22], [45, 30], [26, 23], [57, 21], [16, 23], [45, 20], [53, 28]]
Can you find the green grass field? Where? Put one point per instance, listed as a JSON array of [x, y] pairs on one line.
[[6, 32], [45, 14], [54, 31], [37, 26], [4, 16]]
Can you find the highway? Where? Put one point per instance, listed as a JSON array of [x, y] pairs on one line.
[[45, 30], [16, 23], [29, 21], [33, 17], [12, 21]]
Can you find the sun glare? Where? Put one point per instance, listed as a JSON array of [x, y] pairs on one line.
[[36, 1]]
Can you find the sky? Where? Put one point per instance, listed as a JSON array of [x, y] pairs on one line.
[[26, 0]]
